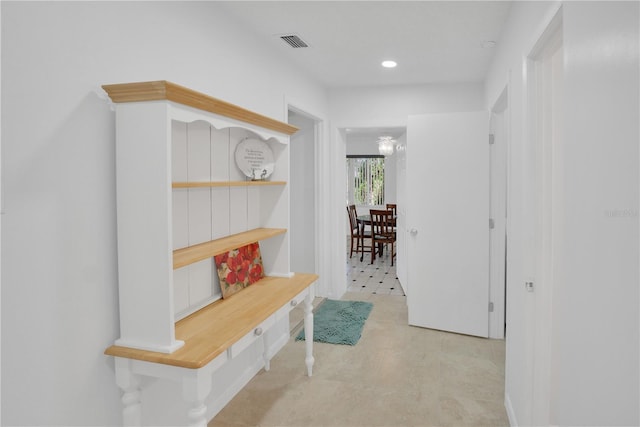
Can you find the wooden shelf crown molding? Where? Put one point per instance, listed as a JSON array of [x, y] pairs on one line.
[[161, 90]]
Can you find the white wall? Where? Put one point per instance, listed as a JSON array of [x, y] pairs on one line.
[[391, 105], [594, 349], [59, 275], [599, 299]]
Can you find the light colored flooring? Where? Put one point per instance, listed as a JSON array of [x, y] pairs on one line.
[[378, 278], [396, 375]]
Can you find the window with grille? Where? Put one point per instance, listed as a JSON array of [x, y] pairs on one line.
[[365, 180]]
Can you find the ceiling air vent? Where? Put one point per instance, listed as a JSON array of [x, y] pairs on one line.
[[294, 41]]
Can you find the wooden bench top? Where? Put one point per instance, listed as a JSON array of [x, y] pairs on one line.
[[210, 331]]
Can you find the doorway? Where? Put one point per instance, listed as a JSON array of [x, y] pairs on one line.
[[303, 193], [499, 147], [361, 145], [546, 117], [529, 351]]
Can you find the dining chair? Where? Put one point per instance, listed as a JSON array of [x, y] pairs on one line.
[[393, 207], [358, 234], [354, 228], [382, 232]]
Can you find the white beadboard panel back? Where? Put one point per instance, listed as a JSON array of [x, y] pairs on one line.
[[220, 154], [235, 136], [220, 211], [180, 213], [274, 258], [274, 209], [281, 156], [179, 154], [253, 207], [238, 204], [204, 153], [199, 170], [200, 281], [199, 215], [199, 151], [181, 289]]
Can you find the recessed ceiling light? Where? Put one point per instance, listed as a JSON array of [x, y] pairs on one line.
[[389, 64]]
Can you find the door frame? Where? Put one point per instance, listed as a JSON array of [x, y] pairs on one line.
[[499, 191], [545, 214], [337, 251], [321, 286]]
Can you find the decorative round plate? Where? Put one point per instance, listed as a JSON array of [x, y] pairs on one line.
[[254, 158]]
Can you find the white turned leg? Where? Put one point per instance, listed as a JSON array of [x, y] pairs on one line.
[[131, 407], [195, 389], [197, 414], [308, 331], [130, 385]]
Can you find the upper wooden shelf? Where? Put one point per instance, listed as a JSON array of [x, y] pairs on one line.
[[191, 254], [225, 184], [209, 332], [164, 90]]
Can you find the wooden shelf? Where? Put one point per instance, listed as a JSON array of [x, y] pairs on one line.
[[225, 184], [191, 254], [210, 331], [164, 90], [214, 335]]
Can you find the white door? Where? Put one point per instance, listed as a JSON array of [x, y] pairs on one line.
[[401, 198], [498, 210], [447, 180]]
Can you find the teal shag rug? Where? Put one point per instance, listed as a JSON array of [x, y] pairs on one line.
[[339, 322]]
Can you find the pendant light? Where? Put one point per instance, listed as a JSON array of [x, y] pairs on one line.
[[385, 145]]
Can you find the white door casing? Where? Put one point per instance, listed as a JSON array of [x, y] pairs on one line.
[[498, 213], [546, 115]]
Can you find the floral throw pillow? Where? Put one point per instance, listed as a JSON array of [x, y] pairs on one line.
[[239, 268]]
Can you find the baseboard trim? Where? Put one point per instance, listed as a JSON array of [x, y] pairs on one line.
[[510, 413]]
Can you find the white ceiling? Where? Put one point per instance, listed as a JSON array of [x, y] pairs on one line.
[[432, 41]]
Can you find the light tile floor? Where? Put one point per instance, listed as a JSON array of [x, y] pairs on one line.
[[377, 278], [396, 375]]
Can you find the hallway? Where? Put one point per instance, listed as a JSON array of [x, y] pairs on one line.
[[396, 375]]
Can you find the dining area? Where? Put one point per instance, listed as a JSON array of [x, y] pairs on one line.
[[372, 230], [366, 274]]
